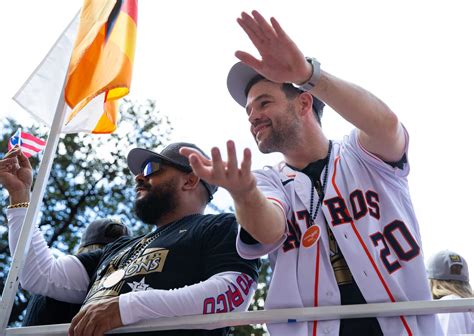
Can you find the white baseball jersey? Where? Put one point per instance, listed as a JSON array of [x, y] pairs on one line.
[[368, 208], [456, 323]]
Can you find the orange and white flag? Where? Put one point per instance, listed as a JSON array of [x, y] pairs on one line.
[[90, 67]]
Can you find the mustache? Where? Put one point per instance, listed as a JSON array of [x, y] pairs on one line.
[[257, 123], [142, 185]]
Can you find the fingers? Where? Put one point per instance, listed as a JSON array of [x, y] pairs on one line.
[[187, 151], [249, 60], [200, 161], [278, 52], [23, 161], [246, 164], [84, 324], [17, 154], [9, 165], [74, 330], [197, 166], [218, 166], [226, 174], [13, 152], [232, 167], [278, 29], [202, 166], [252, 29], [263, 25]]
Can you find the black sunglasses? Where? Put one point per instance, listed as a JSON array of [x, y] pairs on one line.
[[151, 167]]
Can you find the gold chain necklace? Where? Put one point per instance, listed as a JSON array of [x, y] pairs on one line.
[[120, 265]]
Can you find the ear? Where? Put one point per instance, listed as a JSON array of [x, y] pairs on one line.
[[305, 100], [191, 181]]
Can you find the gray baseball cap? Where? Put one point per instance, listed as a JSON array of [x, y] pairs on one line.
[[448, 265], [239, 78], [138, 157], [103, 231]]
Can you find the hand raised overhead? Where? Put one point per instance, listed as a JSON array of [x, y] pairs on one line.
[[281, 59], [238, 181]]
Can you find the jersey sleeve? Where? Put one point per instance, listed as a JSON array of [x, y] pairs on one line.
[[218, 246], [353, 142], [223, 292], [270, 184], [253, 249], [63, 278]]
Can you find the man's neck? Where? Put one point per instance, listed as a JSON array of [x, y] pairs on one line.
[[312, 148], [175, 216]]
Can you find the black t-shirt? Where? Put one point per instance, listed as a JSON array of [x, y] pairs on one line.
[[186, 252], [42, 310]]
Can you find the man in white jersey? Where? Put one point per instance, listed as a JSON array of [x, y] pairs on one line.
[[336, 217]]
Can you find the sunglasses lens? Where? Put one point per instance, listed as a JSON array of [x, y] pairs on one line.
[[150, 168]]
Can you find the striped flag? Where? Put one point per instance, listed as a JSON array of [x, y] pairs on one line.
[[95, 54], [29, 144]]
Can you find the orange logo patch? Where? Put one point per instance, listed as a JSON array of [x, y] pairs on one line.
[[311, 236]]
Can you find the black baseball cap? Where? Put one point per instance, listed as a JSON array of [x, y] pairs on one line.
[[138, 157], [103, 231], [239, 78]]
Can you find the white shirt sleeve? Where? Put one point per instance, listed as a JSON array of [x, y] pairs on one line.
[[353, 141], [223, 292], [269, 183], [63, 278]]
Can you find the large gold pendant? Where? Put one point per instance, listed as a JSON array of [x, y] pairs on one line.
[[114, 278]]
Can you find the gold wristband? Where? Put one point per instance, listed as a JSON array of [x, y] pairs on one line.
[[19, 205]]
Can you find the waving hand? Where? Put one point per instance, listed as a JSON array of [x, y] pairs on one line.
[[281, 59]]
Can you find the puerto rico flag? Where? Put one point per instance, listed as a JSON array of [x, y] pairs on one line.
[[30, 145]]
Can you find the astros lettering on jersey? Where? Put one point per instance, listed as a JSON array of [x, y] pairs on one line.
[[369, 212]]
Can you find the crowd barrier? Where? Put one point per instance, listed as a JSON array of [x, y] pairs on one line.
[[288, 315]]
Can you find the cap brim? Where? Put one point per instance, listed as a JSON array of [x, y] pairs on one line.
[[238, 78], [137, 157]]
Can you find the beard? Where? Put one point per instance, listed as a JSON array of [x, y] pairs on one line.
[[159, 201], [283, 134]]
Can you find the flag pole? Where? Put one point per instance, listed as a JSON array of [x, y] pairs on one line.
[[11, 284]]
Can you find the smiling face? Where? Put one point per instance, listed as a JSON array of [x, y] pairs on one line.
[[274, 123]]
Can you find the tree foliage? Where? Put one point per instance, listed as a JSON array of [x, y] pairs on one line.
[[89, 180]]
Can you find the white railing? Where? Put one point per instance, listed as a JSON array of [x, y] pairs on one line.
[[289, 315]]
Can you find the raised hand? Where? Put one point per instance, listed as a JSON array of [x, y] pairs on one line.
[[16, 175], [238, 181], [281, 60]]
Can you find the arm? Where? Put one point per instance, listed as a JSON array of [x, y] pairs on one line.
[[261, 218], [63, 278], [282, 61], [223, 292], [380, 132]]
